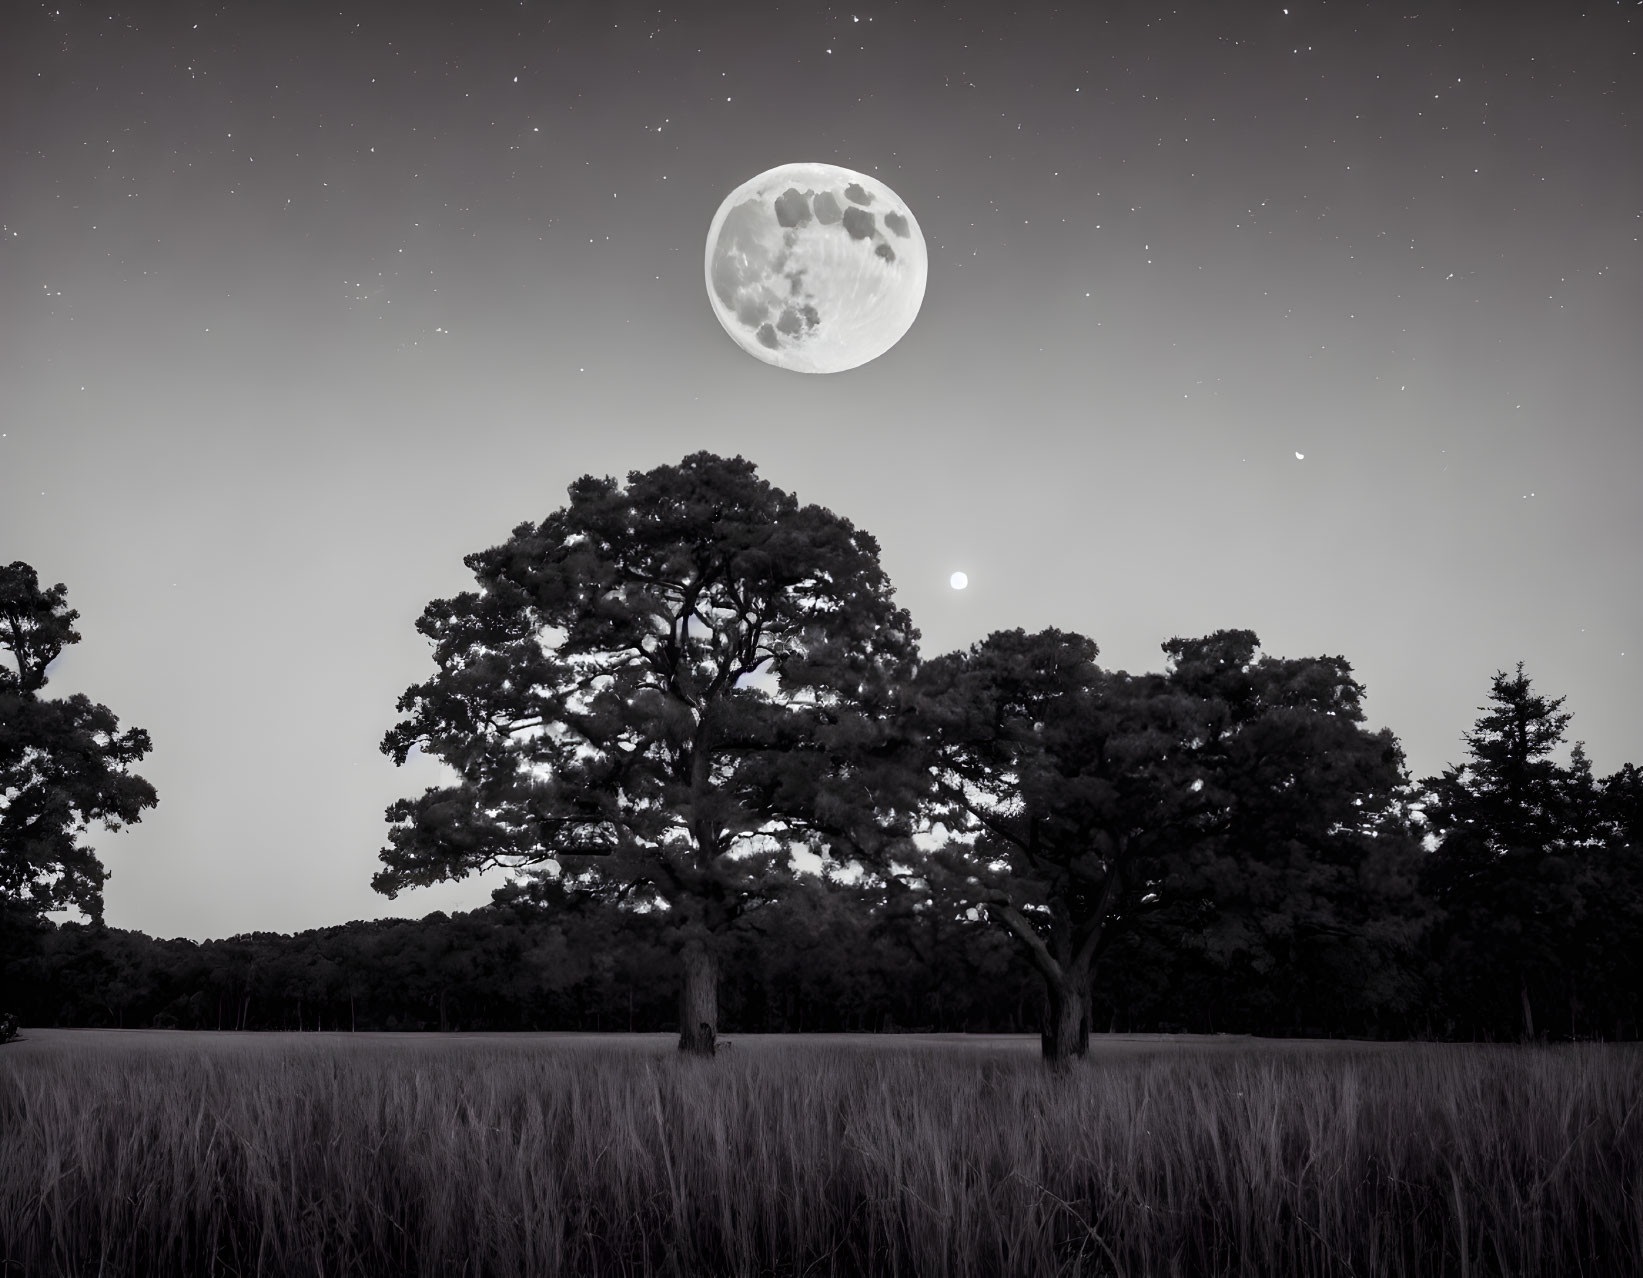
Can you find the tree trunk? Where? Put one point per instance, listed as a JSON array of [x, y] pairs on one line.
[[1528, 1012], [1066, 1033], [698, 1000]]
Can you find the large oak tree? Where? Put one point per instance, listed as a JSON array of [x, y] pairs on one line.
[[656, 693]]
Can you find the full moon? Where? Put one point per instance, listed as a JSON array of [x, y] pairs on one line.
[[815, 268], [958, 581]]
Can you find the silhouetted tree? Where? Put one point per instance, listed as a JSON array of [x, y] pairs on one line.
[[1306, 878], [1052, 861], [1622, 805], [1232, 800], [64, 763], [1507, 865], [650, 693], [1613, 980], [1499, 866], [1538, 869]]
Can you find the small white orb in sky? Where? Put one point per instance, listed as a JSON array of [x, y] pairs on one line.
[[815, 268], [958, 581]]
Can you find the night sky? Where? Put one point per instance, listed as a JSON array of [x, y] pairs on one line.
[[298, 307]]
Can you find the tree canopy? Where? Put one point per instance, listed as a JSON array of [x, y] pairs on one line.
[[1230, 798], [653, 695], [64, 763]]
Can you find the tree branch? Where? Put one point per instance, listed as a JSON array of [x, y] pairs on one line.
[[1024, 932]]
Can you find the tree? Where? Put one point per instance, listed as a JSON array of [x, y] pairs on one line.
[[1506, 867], [1307, 874], [1613, 980], [1052, 791], [1227, 797], [654, 693], [1623, 805], [64, 763]]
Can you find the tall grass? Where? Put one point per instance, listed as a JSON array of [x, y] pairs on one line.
[[320, 1156]]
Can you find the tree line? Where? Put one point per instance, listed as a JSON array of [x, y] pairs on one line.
[[688, 715]]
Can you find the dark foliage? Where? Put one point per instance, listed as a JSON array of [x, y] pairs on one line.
[[1393, 949], [849, 959], [1537, 874], [64, 766], [814, 960], [63, 761], [1277, 883]]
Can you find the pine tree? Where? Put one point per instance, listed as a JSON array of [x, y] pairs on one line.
[[1506, 869]]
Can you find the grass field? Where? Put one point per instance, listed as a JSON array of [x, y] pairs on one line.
[[155, 1153]]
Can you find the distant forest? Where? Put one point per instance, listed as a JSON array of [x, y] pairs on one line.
[[860, 957]]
